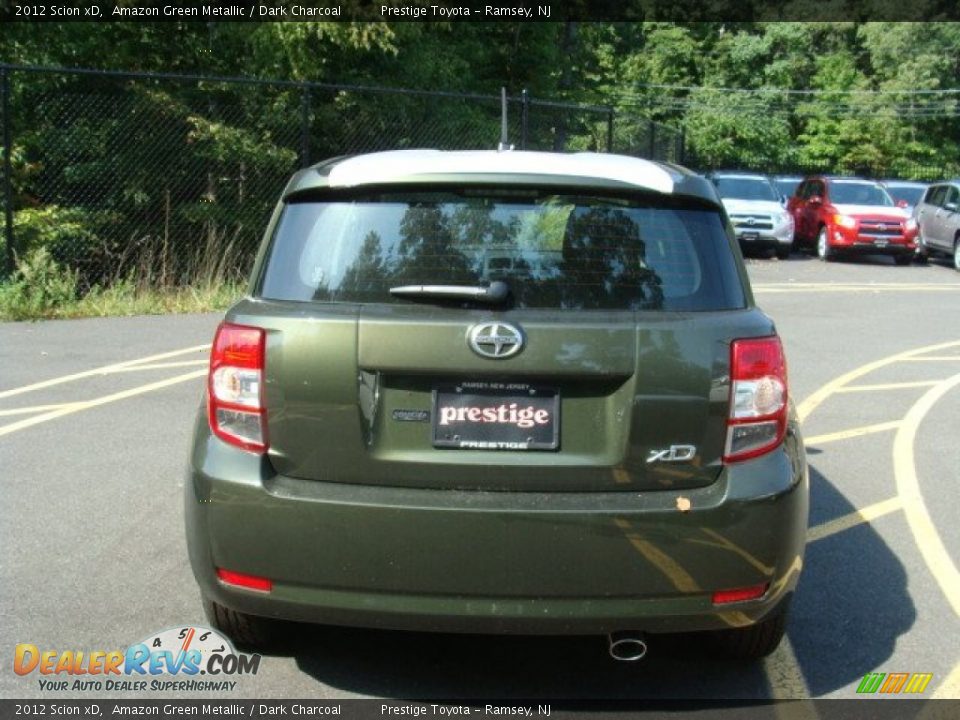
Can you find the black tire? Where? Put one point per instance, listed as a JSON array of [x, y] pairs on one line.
[[903, 259], [922, 254], [249, 632], [755, 641], [824, 251], [783, 253]]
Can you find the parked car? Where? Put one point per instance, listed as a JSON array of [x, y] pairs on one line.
[[905, 193], [786, 185], [756, 209], [938, 221], [845, 216], [590, 436]]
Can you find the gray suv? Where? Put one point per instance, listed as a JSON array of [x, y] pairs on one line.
[[938, 221]]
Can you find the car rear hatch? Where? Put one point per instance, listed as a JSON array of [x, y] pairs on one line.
[[605, 366]]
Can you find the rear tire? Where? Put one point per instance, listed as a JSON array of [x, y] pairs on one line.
[[250, 632], [755, 641], [824, 251], [783, 253]]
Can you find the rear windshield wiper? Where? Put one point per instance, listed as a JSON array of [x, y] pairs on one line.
[[495, 292]]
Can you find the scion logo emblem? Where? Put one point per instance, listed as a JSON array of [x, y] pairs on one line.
[[495, 340]]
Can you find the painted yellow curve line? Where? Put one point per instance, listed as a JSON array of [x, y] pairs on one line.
[[813, 401], [924, 531], [949, 687]]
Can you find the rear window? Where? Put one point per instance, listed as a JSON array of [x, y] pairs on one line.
[[552, 250]]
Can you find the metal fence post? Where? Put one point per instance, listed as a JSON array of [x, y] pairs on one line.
[[610, 130], [682, 147], [524, 117], [652, 131], [305, 127], [7, 168]]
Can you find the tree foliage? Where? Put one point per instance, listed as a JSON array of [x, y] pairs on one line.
[[101, 166]]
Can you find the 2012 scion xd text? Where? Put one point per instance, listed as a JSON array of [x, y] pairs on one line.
[[499, 392]]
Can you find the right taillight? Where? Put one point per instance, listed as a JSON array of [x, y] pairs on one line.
[[235, 387], [758, 398]]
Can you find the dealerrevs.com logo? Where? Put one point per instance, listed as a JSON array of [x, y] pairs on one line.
[[179, 659]]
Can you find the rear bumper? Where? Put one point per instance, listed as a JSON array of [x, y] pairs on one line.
[[459, 561]]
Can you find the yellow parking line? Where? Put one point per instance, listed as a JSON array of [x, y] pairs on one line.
[[950, 687], [888, 386], [812, 402], [935, 358], [100, 370], [852, 433], [908, 488], [85, 405], [857, 517]]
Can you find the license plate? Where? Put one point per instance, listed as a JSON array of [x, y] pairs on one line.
[[496, 416], [749, 235], [881, 243]]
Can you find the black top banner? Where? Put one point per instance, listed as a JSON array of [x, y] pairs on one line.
[[96, 11]]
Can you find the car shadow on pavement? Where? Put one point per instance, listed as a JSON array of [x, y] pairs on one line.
[[852, 602], [850, 608]]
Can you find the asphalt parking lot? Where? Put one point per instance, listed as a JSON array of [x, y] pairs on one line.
[[95, 421]]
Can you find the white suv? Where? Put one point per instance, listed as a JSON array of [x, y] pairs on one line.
[[756, 210]]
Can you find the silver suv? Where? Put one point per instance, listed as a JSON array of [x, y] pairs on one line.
[[755, 208], [938, 221]]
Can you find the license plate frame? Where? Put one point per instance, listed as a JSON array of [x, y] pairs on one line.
[[476, 431]]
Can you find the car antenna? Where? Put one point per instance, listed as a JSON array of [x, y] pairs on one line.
[[504, 139]]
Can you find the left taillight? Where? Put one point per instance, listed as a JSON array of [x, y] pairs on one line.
[[235, 387], [757, 420]]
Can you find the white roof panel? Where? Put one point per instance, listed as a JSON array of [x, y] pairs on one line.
[[397, 165]]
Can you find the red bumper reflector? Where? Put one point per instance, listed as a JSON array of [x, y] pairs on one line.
[[250, 582], [722, 597]]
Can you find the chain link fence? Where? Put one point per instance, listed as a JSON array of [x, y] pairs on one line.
[[170, 180]]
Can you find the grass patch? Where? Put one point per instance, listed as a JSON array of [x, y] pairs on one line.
[[41, 289]]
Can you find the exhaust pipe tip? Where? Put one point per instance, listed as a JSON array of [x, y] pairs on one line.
[[627, 646]]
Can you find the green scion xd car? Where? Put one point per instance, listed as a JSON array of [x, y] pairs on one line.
[[506, 392]]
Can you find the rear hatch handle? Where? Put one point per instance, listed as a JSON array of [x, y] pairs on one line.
[[495, 292]]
